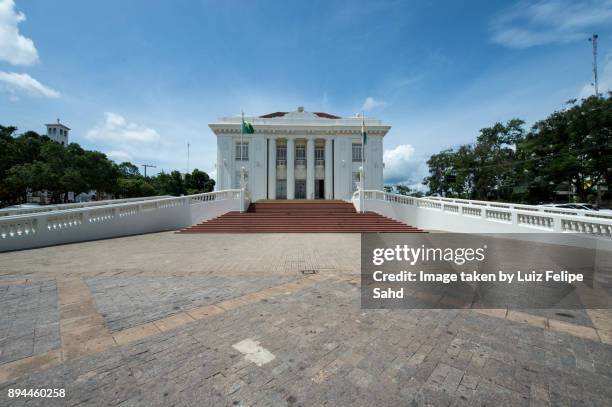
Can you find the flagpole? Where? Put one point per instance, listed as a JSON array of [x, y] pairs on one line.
[[364, 156], [242, 161]]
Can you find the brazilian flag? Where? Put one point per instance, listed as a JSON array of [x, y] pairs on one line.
[[364, 135], [247, 128]]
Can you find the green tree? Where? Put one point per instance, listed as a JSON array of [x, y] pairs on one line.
[[134, 188], [493, 156], [128, 170], [571, 146], [442, 170], [402, 189], [101, 174], [483, 170], [198, 182], [169, 184]]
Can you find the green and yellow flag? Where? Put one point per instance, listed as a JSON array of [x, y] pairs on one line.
[[247, 128], [364, 136]]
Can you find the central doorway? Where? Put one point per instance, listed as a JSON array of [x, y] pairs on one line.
[[320, 189], [300, 189], [281, 189]]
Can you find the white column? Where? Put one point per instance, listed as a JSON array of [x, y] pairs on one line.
[[329, 169], [272, 168], [290, 168], [220, 184], [310, 168]]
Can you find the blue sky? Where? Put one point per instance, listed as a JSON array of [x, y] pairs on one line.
[[139, 79]]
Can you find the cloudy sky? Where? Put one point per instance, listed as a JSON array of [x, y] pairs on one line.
[[140, 79]]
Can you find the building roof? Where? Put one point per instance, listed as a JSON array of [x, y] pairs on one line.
[[322, 115], [300, 122], [272, 115], [326, 115]]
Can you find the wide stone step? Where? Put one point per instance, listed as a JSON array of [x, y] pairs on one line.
[[301, 217], [299, 231]]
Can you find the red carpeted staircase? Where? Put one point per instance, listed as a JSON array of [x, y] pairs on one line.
[[301, 217]]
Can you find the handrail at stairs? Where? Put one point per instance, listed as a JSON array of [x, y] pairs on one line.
[[485, 217]]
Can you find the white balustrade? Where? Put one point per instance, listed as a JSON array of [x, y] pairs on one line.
[[17, 228], [481, 216], [428, 204], [61, 207], [64, 221], [532, 208], [535, 221], [470, 211], [114, 220], [451, 208], [101, 215], [498, 215]]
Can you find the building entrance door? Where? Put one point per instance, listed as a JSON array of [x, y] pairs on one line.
[[320, 189], [300, 189], [281, 189]]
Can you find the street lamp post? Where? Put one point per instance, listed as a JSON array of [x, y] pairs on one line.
[[242, 187], [361, 191]]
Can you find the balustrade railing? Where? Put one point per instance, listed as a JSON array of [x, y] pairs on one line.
[[524, 217], [59, 207], [522, 207], [111, 220]]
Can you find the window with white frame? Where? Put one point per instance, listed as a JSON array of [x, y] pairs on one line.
[[281, 154], [357, 152], [242, 151], [319, 155], [300, 154]]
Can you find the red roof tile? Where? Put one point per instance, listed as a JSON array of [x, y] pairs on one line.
[[326, 115], [281, 114], [275, 114]]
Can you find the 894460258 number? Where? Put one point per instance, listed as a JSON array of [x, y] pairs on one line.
[[36, 393]]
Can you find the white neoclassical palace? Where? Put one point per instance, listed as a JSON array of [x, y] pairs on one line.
[[299, 155]]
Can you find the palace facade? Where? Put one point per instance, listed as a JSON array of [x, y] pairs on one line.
[[299, 155]]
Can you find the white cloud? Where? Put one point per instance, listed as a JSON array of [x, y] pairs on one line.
[[116, 129], [14, 47], [605, 80], [123, 140], [119, 156], [549, 21], [22, 82], [370, 103], [402, 166]]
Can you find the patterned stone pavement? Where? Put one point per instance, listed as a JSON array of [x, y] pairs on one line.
[[251, 329], [127, 302], [29, 320]]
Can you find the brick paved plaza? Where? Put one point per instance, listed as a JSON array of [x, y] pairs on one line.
[[197, 320]]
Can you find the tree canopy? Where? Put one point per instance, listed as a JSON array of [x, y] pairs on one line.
[[568, 152], [30, 162]]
